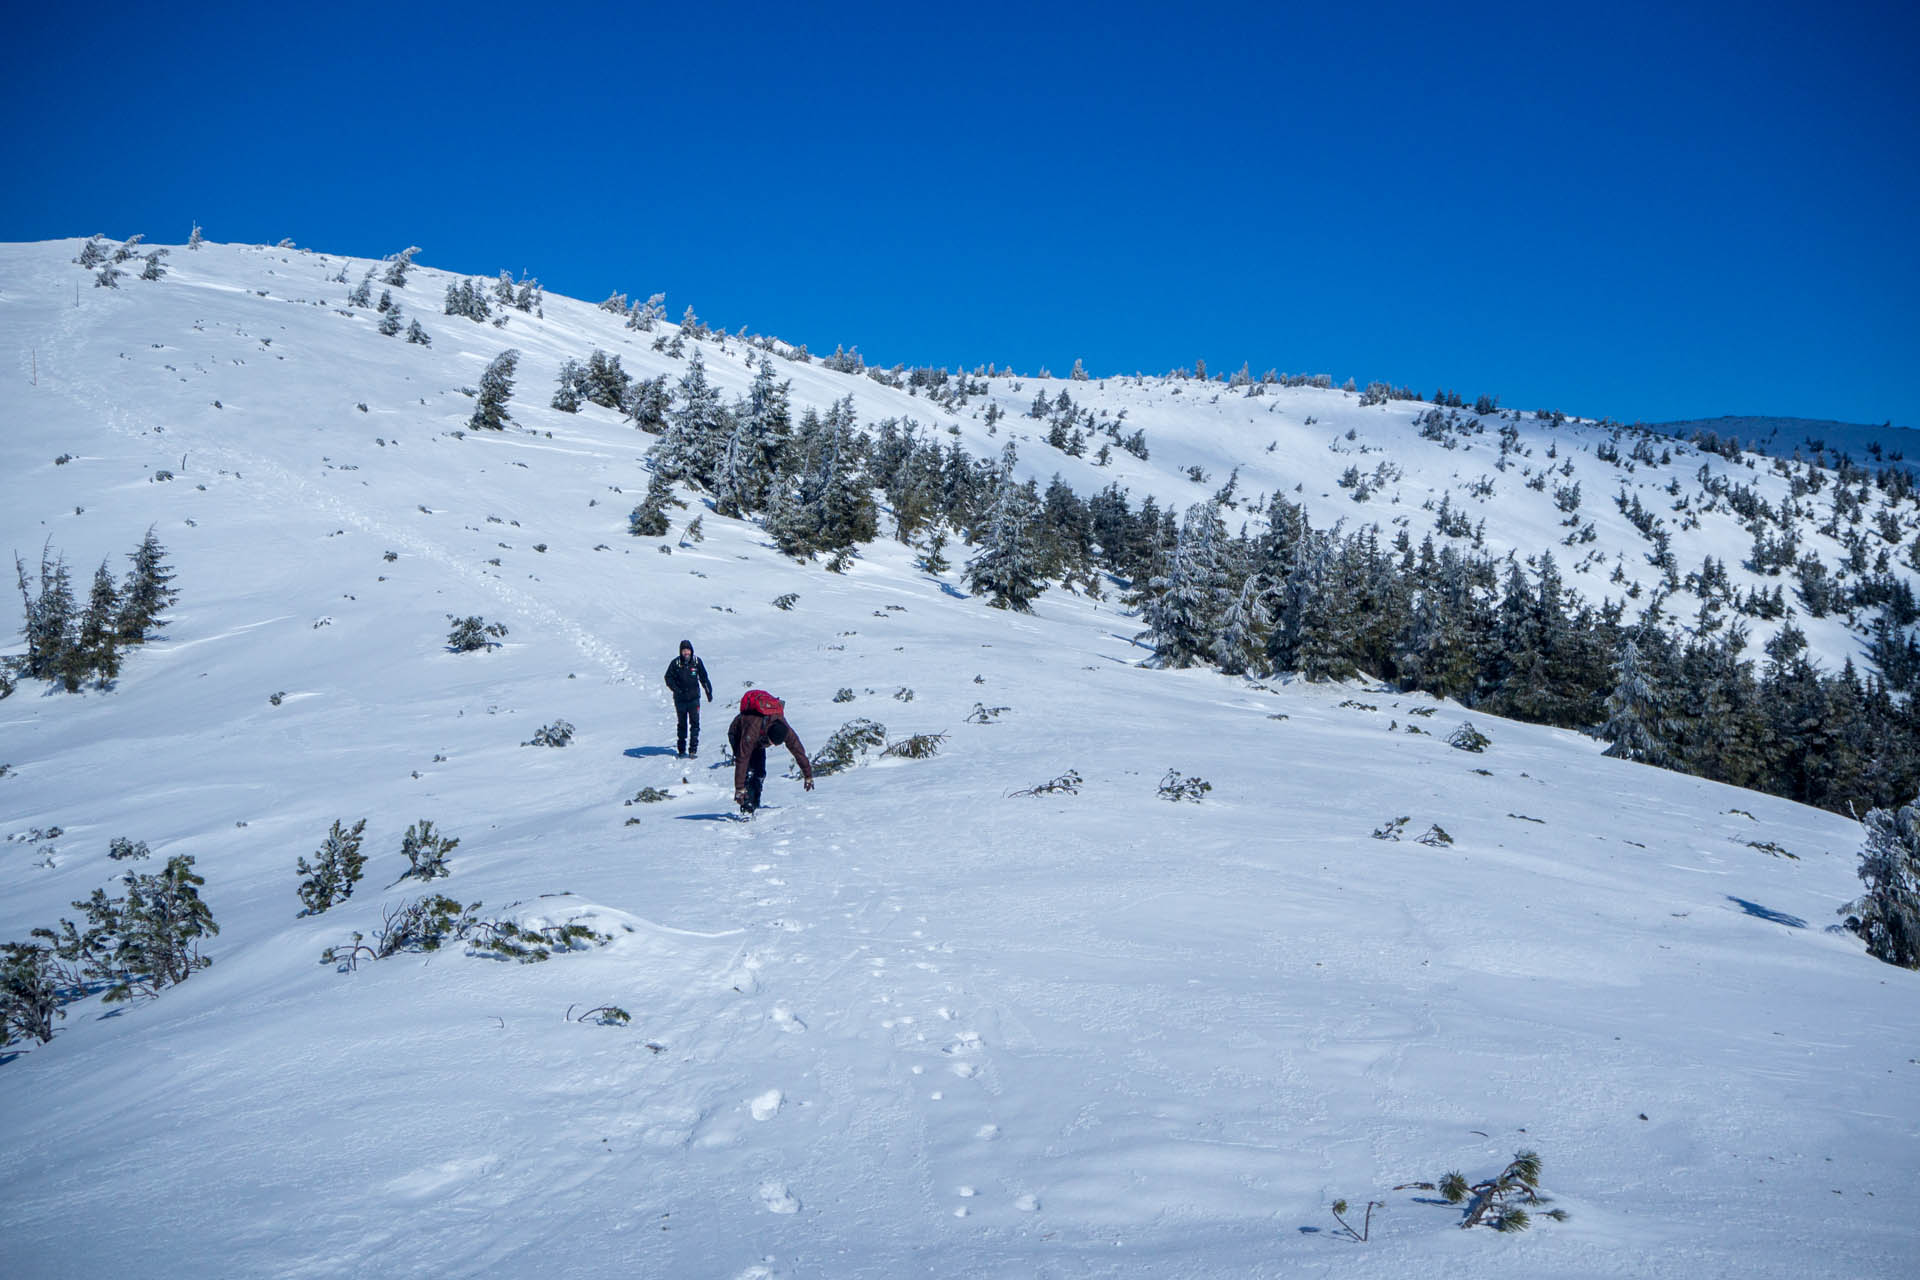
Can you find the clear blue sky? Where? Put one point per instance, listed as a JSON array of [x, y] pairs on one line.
[[1644, 211]]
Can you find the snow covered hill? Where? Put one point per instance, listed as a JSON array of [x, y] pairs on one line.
[[913, 1022]]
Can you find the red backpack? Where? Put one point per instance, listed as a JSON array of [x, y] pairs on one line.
[[759, 702]]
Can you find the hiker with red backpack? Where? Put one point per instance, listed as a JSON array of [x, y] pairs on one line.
[[762, 719]]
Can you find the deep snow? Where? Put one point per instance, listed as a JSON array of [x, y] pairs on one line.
[[909, 1023]]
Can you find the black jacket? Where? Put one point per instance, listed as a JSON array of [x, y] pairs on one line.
[[686, 680]]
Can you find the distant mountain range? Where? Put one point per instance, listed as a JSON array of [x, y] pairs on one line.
[[1814, 439]]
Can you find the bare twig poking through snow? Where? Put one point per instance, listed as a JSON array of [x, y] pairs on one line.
[[1366, 1223], [1068, 782]]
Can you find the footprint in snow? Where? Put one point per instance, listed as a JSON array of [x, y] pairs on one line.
[[767, 1105], [787, 1020], [775, 1198], [1027, 1204]]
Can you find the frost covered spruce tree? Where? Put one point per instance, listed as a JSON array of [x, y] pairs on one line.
[[1887, 915], [697, 429], [49, 616], [762, 424], [567, 396], [827, 504], [496, 388], [1007, 570], [1186, 604], [1638, 726], [651, 518], [96, 650], [1241, 640], [398, 265], [146, 591]]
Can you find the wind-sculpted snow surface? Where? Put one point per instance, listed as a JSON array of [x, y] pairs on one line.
[[912, 1022]]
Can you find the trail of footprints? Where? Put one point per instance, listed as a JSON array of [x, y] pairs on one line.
[[943, 1055]]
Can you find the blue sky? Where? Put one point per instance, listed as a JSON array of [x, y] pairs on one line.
[[1637, 211]]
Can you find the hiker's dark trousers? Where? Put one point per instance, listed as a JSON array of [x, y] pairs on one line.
[[687, 732], [756, 777]]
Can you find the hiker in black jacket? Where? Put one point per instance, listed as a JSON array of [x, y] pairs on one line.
[[686, 676]]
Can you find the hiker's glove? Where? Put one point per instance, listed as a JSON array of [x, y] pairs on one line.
[[807, 784], [740, 796]]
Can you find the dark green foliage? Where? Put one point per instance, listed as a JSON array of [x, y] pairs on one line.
[[697, 428], [426, 851], [786, 601], [1887, 914], [70, 645], [567, 396], [417, 335], [398, 265], [647, 403], [1496, 1202], [49, 617], [97, 647], [496, 388], [1186, 605], [121, 849], [848, 743], [843, 695], [420, 925], [920, 746], [30, 983], [474, 633], [1176, 787], [141, 943], [1008, 570], [825, 503], [651, 519], [506, 940], [1468, 738], [335, 869], [146, 592], [469, 300], [604, 382], [1068, 782], [427, 924], [933, 560], [649, 795], [557, 734]]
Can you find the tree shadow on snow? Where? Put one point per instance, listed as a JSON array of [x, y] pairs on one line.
[[1765, 913], [641, 753], [947, 588]]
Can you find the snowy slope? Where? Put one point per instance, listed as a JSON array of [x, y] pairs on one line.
[[909, 1023]]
